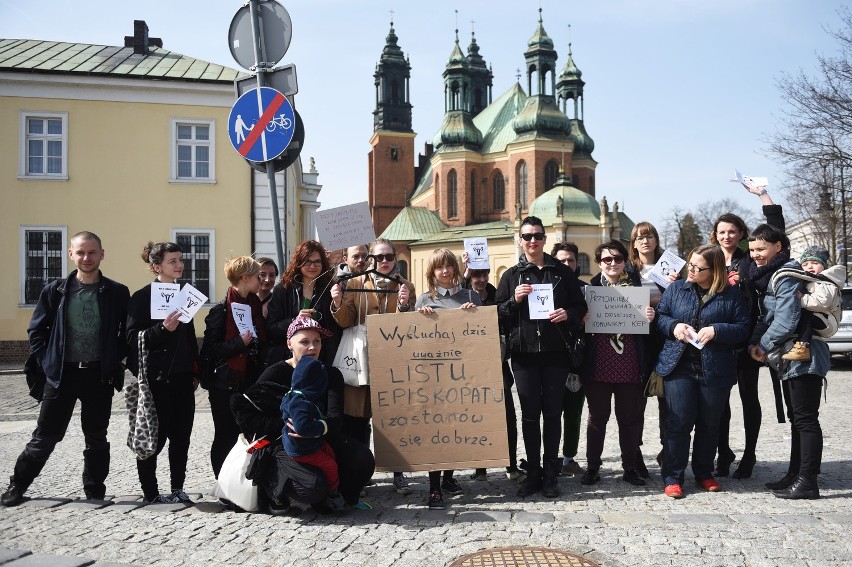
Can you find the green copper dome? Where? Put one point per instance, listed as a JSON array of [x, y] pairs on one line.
[[458, 130], [583, 143], [541, 115], [570, 70], [576, 207], [540, 39]]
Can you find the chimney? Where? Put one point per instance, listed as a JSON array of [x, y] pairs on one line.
[[140, 41]]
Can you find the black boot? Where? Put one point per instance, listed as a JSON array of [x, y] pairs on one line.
[[745, 467], [551, 483], [803, 488], [641, 469], [785, 482], [533, 482], [723, 462]]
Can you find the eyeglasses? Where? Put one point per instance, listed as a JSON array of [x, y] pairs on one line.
[[645, 237], [312, 263], [530, 235], [384, 257], [610, 259], [693, 268]]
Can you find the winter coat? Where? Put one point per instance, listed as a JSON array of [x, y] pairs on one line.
[[357, 305], [301, 406], [47, 338], [782, 311], [284, 306], [216, 351], [727, 312], [525, 335], [169, 352]]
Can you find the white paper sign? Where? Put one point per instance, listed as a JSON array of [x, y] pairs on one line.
[[540, 301], [669, 263], [693, 340], [750, 181], [190, 301], [242, 317], [617, 309], [345, 226], [163, 299], [477, 253]]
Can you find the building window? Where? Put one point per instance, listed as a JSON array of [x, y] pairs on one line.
[[197, 247], [498, 197], [193, 152], [42, 259], [452, 194], [551, 173], [583, 263], [403, 268], [473, 195], [522, 185], [43, 145]]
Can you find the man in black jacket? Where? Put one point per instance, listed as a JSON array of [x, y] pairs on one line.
[[77, 338]]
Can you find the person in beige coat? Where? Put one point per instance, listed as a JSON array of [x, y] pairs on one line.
[[351, 308]]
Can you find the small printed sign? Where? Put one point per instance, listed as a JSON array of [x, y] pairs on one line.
[[540, 301], [164, 299], [242, 317], [669, 263], [190, 301], [477, 253], [345, 226]]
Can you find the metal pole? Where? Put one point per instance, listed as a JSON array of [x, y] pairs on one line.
[[843, 209], [260, 68]]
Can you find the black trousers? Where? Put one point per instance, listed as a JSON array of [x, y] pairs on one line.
[[225, 428], [175, 403], [802, 396], [540, 390], [56, 410], [747, 374]]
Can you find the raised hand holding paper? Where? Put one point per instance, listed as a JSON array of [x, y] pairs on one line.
[[163, 299], [750, 182], [669, 263], [540, 301], [189, 301], [242, 317], [477, 253]]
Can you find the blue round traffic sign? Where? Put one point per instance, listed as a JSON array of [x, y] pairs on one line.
[[261, 124]]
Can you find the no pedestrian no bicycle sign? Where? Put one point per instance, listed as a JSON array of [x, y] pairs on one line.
[[261, 124]]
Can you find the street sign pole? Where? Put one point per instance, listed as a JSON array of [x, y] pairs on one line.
[[261, 64]]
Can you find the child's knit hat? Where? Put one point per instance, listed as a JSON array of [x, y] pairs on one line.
[[816, 254]]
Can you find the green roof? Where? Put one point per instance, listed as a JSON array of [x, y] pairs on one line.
[[496, 229], [32, 55], [413, 223]]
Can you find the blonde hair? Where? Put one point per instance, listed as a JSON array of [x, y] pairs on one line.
[[441, 257], [715, 259], [239, 267]]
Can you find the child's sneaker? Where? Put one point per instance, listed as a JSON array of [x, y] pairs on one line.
[[800, 351], [400, 484]]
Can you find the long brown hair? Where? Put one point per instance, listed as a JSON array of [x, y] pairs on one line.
[[303, 251], [715, 258], [643, 229]]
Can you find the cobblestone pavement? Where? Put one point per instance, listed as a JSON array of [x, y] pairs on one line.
[[612, 522]]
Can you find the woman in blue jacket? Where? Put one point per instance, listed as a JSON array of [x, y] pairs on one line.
[[705, 310]]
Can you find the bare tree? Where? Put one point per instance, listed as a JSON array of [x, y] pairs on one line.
[[708, 212], [682, 232]]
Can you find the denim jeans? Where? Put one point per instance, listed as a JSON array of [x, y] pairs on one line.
[[692, 403]]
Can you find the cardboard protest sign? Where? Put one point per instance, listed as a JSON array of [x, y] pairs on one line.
[[617, 309], [437, 390], [163, 299], [345, 226]]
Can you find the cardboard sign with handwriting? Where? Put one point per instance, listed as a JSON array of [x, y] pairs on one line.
[[618, 309], [436, 383]]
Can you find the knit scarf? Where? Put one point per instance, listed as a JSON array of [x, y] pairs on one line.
[[760, 275], [238, 364], [616, 341]]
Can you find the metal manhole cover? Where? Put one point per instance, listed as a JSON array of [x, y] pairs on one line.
[[522, 557]]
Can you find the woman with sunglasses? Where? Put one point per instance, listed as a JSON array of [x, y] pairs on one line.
[[538, 350], [304, 291], [703, 320], [615, 365], [351, 308], [728, 232]]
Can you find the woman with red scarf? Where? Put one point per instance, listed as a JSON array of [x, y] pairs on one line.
[[231, 351]]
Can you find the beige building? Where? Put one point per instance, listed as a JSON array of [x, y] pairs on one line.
[[130, 143]]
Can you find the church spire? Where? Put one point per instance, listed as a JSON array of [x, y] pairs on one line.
[[393, 107]]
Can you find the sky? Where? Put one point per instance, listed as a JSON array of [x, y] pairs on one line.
[[678, 93]]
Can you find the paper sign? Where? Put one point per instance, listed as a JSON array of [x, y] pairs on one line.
[[617, 309], [693, 340], [345, 226], [163, 299], [190, 301], [477, 253], [242, 317], [749, 181], [669, 263], [436, 388], [540, 301]]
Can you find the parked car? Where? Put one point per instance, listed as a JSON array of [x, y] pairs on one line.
[[841, 342]]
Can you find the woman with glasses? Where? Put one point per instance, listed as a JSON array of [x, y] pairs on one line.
[[351, 307], [268, 274], [615, 365], [729, 231], [703, 320], [304, 291], [538, 351]]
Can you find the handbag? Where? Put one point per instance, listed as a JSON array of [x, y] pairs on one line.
[[232, 484], [141, 411], [655, 386], [576, 347], [351, 357]]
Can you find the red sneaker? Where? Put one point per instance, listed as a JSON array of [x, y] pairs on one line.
[[674, 491], [710, 485]]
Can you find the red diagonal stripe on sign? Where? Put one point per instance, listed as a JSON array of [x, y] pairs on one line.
[[261, 123]]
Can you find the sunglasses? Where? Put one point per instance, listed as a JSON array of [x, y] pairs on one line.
[[610, 259], [530, 235], [693, 268], [385, 257]]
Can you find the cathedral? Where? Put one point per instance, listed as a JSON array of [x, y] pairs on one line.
[[491, 163]]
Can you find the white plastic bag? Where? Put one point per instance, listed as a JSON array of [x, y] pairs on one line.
[[232, 484], [351, 357]]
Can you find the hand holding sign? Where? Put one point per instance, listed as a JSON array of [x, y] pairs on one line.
[[242, 317], [188, 302], [541, 301], [163, 299]]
